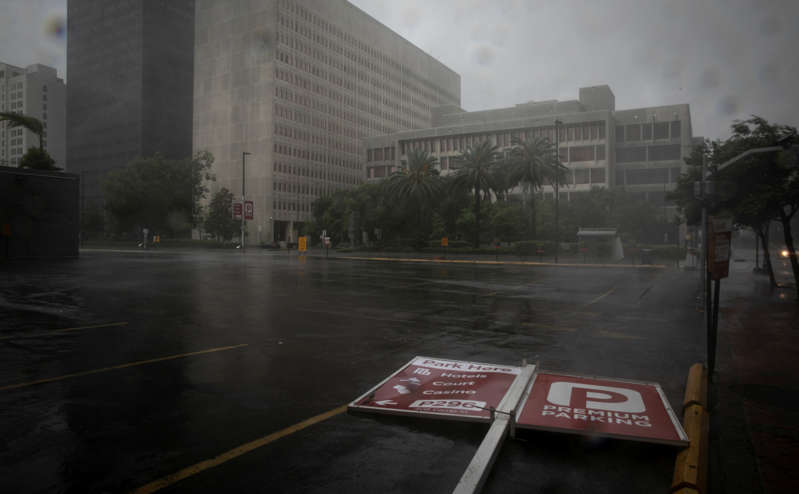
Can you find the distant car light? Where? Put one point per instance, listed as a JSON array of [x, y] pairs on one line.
[[784, 253]]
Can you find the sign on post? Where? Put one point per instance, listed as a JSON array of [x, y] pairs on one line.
[[237, 208], [595, 406], [440, 388], [444, 242], [720, 236], [248, 210], [302, 244]]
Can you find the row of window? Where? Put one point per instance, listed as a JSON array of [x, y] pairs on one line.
[[646, 176], [580, 132], [665, 152], [367, 101], [400, 91], [380, 154], [329, 125], [314, 156], [648, 131], [316, 29], [280, 205]]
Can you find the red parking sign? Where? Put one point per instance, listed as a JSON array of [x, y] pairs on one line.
[[248, 210], [237, 210], [603, 407], [440, 388]]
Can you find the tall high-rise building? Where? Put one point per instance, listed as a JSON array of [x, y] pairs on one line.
[[129, 95], [36, 91], [298, 84]]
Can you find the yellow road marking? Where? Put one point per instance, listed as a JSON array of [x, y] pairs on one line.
[[235, 452], [510, 263], [115, 367], [601, 297], [58, 331]]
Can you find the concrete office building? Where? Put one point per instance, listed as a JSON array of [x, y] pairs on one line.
[[130, 84], [298, 84], [36, 91], [640, 149]]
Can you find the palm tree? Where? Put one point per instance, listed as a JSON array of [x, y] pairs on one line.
[[474, 173], [418, 184], [19, 120], [532, 164]]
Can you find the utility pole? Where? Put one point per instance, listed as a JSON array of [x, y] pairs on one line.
[[243, 178], [558, 123]]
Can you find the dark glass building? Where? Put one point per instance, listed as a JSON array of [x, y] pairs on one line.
[[130, 66]]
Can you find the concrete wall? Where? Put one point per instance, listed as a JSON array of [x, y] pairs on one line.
[[39, 214]]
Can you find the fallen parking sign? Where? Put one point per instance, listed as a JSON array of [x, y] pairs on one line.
[[615, 408], [440, 388]]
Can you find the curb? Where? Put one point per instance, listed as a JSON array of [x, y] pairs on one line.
[[690, 466], [499, 263]]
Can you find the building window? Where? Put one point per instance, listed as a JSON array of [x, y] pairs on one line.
[[666, 152], [633, 132], [676, 129], [581, 176], [675, 174], [600, 152], [627, 155], [597, 175], [444, 162], [647, 131], [661, 130], [619, 133], [581, 153]]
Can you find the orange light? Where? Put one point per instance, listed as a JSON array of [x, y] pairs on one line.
[[784, 253]]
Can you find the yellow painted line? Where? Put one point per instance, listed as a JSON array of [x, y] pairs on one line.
[[601, 297], [59, 331], [115, 367], [500, 263], [159, 484]]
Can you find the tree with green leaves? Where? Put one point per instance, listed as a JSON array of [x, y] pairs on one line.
[[32, 124], [760, 188], [37, 159], [474, 174], [416, 186], [532, 165], [219, 222], [157, 193], [34, 158]]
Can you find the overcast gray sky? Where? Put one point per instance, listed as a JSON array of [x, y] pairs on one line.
[[727, 58]]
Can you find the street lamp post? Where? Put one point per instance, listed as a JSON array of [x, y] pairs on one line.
[[243, 178], [558, 123]]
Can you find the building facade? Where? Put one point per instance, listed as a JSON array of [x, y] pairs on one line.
[[298, 84], [641, 150], [130, 66], [36, 91]]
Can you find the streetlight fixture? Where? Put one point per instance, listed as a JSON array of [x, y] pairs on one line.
[[243, 178]]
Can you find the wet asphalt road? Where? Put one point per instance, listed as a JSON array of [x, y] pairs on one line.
[[318, 333]]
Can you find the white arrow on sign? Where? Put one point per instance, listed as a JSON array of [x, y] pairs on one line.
[[386, 402], [402, 389], [412, 380]]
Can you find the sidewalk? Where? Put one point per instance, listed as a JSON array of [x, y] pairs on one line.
[[754, 433]]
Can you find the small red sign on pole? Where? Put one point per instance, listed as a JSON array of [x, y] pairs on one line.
[[248, 210], [720, 236], [440, 388], [616, 408], [237, 210]]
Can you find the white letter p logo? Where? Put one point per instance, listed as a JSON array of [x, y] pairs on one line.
[[575, 395]]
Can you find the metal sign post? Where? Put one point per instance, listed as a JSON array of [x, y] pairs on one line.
[[718, 267], [504, 416]]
